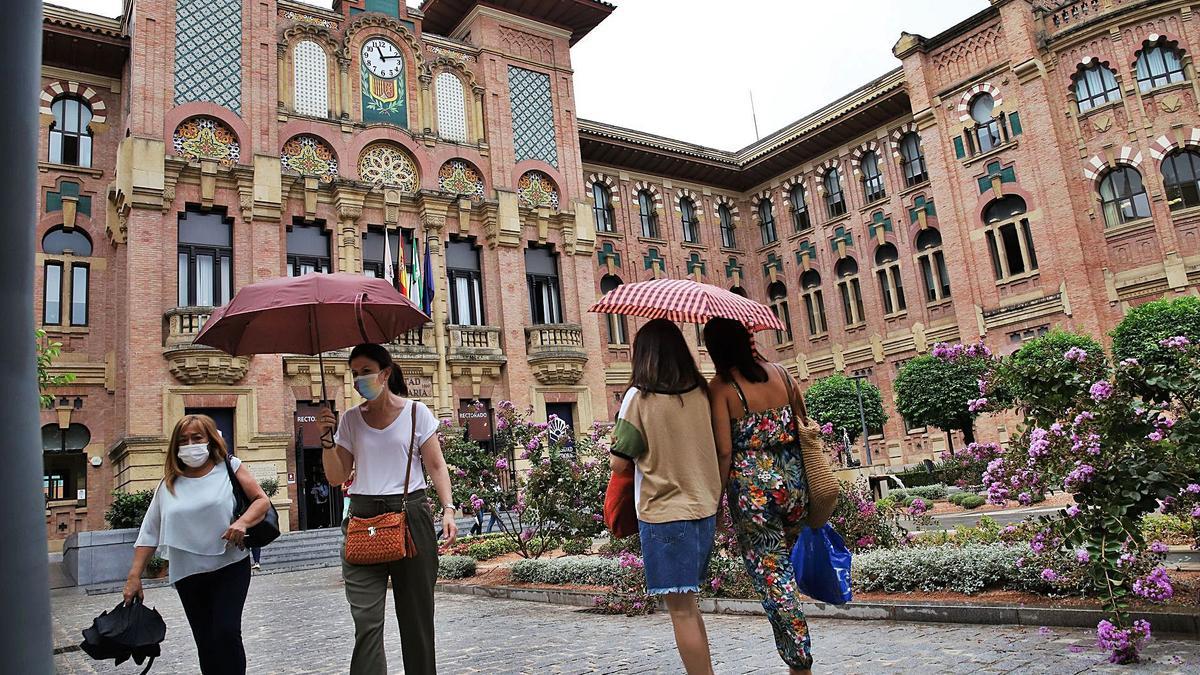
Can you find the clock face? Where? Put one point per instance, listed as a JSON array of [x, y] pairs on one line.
[[382, 58]]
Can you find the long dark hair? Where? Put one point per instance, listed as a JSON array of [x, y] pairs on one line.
[[382, 358], [729, 346], [662, 362]]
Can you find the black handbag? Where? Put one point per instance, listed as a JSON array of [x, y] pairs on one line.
[[267, 529]]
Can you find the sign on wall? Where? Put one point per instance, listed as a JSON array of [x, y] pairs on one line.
[[477, 419], [420, 386]]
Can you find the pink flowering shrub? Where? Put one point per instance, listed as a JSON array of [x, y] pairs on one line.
[[552, 487], [866, 524], [628, 595], [1118, 441], [965, 466]]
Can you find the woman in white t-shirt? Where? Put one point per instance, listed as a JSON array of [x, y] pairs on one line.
[[372, 441], [191, 521]]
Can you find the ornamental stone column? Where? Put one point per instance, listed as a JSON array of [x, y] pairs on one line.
[[349, 245], [435, 226]]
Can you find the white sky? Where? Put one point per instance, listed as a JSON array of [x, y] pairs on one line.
[[685, 68]]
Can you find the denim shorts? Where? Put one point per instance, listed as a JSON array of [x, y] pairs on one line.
[[676, 554]]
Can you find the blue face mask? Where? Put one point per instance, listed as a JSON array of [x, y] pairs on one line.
[[368, 386]]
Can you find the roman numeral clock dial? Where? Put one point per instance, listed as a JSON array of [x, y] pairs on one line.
[[382, 58]]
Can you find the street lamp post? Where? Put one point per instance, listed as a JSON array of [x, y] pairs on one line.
[[862, 418]]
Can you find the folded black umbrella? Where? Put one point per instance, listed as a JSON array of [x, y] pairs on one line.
[[131, 631]]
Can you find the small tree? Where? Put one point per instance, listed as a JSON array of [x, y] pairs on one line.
[[941, 391], [1142, 335], [834, 400], [559, 497], [47, 351], [1049, 373], [128, 508]]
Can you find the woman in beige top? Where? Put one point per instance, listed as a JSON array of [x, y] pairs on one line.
[[664, 429]]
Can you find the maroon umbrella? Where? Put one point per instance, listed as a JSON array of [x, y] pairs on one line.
[[311, 314]]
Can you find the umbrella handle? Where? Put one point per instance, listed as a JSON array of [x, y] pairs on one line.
[[148, 664]]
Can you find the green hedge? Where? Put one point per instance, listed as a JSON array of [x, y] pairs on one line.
[[921, 478], [569, 570], [491, 548], [972, 502], [456, 566]]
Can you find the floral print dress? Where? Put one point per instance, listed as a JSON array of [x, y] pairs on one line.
[[768, 500]]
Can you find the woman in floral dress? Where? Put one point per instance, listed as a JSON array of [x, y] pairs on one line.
[[767, 493]]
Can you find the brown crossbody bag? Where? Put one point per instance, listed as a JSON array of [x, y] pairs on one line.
[[386, 537]]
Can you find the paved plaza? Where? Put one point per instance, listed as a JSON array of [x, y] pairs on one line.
[[298, 622]]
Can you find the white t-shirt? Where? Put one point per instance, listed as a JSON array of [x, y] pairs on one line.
[[381, 455], [186, 525]]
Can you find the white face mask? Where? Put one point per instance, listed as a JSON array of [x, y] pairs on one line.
[[194, 455]]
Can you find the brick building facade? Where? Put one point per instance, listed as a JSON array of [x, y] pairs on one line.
[[1030, 167]]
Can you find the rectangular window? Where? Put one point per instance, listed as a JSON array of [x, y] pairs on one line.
[[466, 287], [541, 274], [728, 239], [1011, 248], [308, 250], [1011, 243], [205, 259], [780, 309], [79, 294], [616, 329], [52, 289], [814, 307]]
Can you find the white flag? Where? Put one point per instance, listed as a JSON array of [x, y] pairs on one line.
[[389, 271]]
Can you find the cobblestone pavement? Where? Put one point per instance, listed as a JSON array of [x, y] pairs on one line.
[[298, 622]]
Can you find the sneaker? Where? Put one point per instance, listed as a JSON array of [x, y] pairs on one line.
[[255, 566]]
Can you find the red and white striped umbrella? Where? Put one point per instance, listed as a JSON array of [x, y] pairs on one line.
[[685, 301]]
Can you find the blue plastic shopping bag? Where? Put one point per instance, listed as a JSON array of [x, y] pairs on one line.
[[822, 564]]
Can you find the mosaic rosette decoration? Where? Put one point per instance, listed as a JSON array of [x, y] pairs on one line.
[[388, 164], [460, 178], [198, 138], [535, 189], [309, 156]]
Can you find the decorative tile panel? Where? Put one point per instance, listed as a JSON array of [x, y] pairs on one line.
[[387, 164], [535, 189], [532, 116], [68, 188], [460, 178], [202, 137], [208, 52], [311, 79], [309, 156], [451, 107]]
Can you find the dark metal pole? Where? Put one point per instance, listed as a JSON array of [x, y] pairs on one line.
[[25, 642], [862, 416]]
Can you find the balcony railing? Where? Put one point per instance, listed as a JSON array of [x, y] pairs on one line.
[[475, 338], [183, 324], [556, 352]]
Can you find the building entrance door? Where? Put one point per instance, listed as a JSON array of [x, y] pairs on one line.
[[224, 420], [320, 504]]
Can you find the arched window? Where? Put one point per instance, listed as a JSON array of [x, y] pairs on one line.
[[1181, 177], [617, 334], [814, 302], [65, 276], [602, 208], [913, 159], [648, 214], [1095, 86], [1158, 65], [70, 137], [1009, 238], [777, 294], [887, 270], [835, 201], [987, 128], [799, 202], [205, 258], [64, 462], [871, 177], [766, 221], [691, 224], [933, 265], [451, 107], [310, 76], [850, 290], [1123, 197], [728, 233], [738, 290]]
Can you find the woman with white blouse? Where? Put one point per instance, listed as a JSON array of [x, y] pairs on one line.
[[373, 441], [191, 521]]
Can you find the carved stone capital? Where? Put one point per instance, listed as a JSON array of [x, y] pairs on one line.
[[351, 212]]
